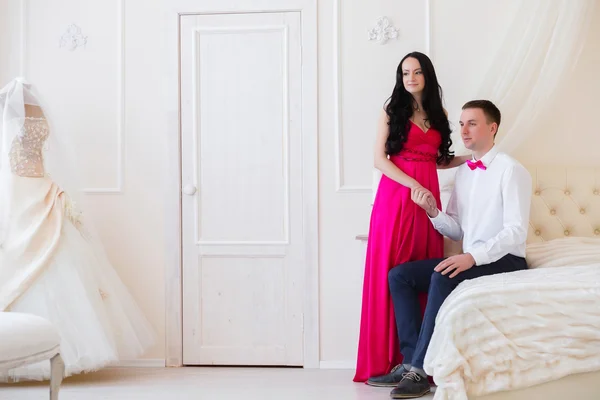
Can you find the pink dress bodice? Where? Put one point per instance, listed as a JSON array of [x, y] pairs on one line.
[[419, 146]]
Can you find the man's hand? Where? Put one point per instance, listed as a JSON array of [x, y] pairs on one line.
[[424, 199], [458, 264]]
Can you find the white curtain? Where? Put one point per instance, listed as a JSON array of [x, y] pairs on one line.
[[542, 45]]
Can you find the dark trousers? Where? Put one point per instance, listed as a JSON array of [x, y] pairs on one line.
[[407, 280]]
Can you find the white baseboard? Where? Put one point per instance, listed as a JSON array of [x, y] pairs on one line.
[[160, 363], [339, 364], [141, 363]]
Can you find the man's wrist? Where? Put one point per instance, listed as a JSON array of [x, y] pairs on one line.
[[472, 258], [433, 212]]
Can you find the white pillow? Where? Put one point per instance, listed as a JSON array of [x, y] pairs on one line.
[[573, 251]]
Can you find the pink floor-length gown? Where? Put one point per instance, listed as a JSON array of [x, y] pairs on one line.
[[399, 232]]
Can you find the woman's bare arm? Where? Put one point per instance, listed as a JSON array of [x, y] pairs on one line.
[[382, 163]]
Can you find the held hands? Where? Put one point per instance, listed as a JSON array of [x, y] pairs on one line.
[[424, 199], [458, 264]]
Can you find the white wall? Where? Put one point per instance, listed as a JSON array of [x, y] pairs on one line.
[[463, 35]]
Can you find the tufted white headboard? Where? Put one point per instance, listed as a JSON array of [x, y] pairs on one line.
[[565, 202]]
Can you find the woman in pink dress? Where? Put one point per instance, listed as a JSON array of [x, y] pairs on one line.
[[414, 131]]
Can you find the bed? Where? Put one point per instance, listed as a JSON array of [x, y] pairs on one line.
[[531, 334]]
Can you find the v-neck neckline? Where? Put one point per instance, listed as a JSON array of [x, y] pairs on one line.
[[418, 126]]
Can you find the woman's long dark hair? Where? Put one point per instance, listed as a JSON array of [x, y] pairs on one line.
[[400, 108]]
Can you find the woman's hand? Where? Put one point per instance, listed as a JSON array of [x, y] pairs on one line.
[[424, 199]]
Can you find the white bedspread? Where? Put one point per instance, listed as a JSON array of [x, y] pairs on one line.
[[517, 330]]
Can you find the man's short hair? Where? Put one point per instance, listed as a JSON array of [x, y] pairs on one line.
[[492, 113]]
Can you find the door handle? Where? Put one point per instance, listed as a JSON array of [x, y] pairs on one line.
[[189, 189]]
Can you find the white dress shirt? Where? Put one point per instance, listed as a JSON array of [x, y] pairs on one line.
[[489, 209]]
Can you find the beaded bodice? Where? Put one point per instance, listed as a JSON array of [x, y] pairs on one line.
[[26, 153]]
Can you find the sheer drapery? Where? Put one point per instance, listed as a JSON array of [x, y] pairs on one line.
[[542, 45]]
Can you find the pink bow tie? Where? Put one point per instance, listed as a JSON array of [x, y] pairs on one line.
[[477, 164]]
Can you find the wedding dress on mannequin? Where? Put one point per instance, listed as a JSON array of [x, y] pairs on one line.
[[51, 261]]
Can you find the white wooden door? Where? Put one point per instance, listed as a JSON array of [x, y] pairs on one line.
[[242, 210]]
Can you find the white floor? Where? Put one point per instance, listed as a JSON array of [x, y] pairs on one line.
[[204, 384]]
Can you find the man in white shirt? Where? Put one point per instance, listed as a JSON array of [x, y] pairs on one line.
[[489, 211]]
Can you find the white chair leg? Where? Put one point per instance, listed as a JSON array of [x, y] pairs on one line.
[[57, 373]]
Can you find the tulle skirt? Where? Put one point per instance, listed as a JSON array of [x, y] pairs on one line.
[[83, 297]]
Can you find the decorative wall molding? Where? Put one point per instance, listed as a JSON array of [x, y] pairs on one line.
[[72, 38], [383, 31], [120, 100], [340, 186]]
